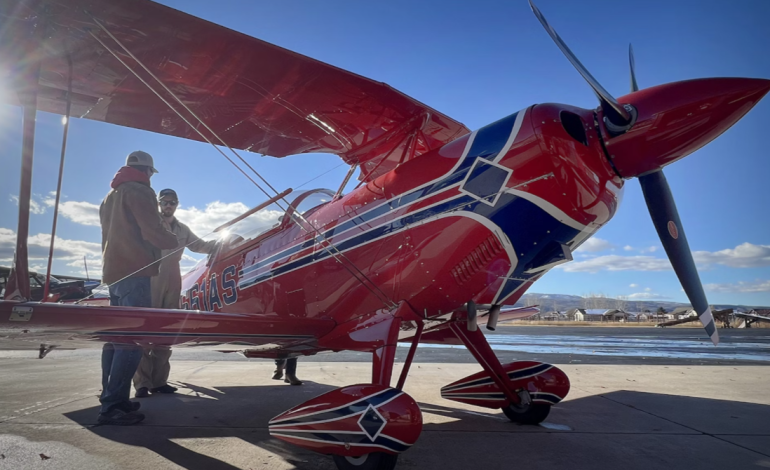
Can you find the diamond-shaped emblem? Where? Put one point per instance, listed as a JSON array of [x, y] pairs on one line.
[[485, 181], [371, 423]]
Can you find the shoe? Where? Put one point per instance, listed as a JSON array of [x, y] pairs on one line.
[[129, 406], [278, 374], [164, 389], [142, 392], [292, 379], [119, 417]]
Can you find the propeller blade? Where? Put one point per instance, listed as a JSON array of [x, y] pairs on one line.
[[632, 65], [608, 102], [665, 217]]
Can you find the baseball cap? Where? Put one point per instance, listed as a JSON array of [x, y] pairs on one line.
[[167, 192], [138, 157]]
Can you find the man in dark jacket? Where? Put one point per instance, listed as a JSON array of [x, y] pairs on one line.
[[132, 239]]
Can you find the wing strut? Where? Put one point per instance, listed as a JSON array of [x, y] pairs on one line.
[[17, 287], [58, 184]]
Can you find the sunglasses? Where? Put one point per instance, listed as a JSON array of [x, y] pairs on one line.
[[169, 203]]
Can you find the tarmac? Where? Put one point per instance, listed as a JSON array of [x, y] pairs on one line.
[[617, 415]]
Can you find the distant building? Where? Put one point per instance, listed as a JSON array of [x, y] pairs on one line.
[[552, 316], [681, 313], [596, 314], [576, 314]]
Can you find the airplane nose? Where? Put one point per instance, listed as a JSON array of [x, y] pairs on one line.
[[675, 119]]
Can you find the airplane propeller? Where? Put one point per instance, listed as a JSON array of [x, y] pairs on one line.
[[657, 193], [632, 67], [618, 114]]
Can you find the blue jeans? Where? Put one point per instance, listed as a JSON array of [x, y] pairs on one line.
[[119, 361]]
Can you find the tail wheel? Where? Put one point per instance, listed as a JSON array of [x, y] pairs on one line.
[[527, 412], [373, 461]]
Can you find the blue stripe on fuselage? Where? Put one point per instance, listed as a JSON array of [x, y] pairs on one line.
[[487, 144], [510, 214], [530, 231]]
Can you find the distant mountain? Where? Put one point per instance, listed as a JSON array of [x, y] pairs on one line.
[[564, 302]]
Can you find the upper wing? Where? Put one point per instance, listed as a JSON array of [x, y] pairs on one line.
[[36, 323], [752, 316], [254, 95]]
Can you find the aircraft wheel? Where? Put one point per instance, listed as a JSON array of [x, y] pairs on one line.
[[373, 461], [534, 413]]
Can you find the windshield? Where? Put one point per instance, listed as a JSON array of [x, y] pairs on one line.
[[40, 279], [313, 200], [273, 215]]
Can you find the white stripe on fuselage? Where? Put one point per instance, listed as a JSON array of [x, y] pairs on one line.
[[503, 238], [512, 137]]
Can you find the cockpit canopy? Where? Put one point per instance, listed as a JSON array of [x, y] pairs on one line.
[[276, 215]]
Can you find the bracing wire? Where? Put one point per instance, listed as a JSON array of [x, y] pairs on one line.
[[320, 238]]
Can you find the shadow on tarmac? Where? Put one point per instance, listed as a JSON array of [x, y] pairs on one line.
[[208, 415]]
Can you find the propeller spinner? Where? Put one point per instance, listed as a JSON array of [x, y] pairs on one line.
[[656, 126]]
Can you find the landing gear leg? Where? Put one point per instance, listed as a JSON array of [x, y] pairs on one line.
[[384, 357], [519, 407], [383, 360]]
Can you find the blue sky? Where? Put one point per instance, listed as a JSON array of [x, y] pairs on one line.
[[476, 62]]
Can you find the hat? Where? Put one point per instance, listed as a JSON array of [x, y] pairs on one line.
[[140, 158], [167, 192]]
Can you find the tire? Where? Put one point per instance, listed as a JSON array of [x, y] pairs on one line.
[[534, 413], [373, 461]]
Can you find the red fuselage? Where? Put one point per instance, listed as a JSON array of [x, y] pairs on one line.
[[480, 219]]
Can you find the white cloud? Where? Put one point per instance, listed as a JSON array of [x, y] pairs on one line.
[[200, 221], [71, 251], [628, 248], [34, 206], [651, 249], [80, 212], [740, 287], [745, 255], [617, 263], [647, 296], [594, 245], [188, 262], [216, 213], [633, 285], [647, 289]]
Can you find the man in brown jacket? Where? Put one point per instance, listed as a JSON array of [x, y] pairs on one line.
[[153, 370], [132, 237]]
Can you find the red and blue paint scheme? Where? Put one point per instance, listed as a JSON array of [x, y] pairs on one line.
[[544, 383], [352, 421], [447, 228]]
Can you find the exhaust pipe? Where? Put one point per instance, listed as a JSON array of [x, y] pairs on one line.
[[472, 320], [494, 315]]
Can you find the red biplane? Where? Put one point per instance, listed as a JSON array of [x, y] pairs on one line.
[[447, 228]]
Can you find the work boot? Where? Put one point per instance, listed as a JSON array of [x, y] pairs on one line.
[[129, 406], [142, 392], [119, 417], [164, 389], [278, 373], [292, 379]]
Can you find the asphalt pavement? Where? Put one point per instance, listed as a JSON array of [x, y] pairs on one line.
[[640, 399]]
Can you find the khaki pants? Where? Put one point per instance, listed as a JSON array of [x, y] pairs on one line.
[[154, 367]]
